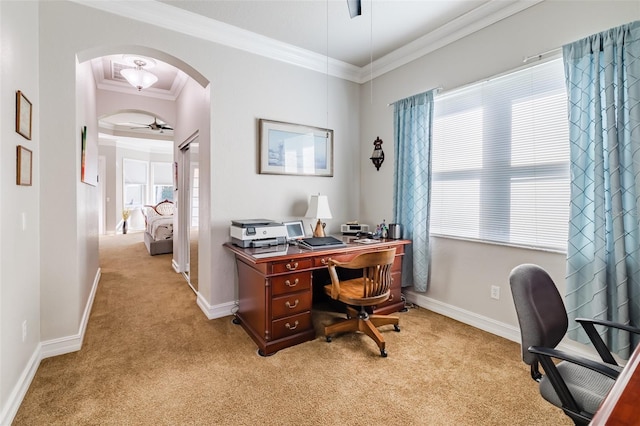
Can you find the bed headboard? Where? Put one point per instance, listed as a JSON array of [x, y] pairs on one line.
[[163, 208]]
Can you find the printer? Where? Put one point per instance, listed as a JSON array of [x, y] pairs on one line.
[[257, 233]]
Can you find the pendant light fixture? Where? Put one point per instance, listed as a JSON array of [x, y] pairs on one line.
[[139, 77]]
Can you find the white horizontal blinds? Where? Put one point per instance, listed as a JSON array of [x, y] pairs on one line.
[[135, 171], [500, 160], [162, 173], [135, 182]]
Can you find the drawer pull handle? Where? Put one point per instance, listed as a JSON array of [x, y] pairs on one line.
[[290, 327], [390, 298], [292, 268], [294, 304], [288, 283], [323, 261]]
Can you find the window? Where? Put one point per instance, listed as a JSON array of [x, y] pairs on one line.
[[500, 160], [162, 179], [135, 183]]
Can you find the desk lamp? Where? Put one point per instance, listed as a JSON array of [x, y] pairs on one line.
[[319, 209]]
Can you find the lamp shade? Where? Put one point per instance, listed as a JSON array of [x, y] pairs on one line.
[[319, 207]]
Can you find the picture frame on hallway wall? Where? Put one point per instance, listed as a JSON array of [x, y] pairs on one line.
[[24, 166], [23, 115], [83, 155], [295, 149], [88, 159]]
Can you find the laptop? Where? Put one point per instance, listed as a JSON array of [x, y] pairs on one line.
[[295, 235]]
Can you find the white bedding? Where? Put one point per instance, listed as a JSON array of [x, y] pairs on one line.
[[160, 227]]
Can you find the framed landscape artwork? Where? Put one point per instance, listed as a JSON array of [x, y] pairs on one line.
[[23, 115], [24, 165], [295, 149]]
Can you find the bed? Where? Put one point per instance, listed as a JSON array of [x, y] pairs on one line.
[[158, 235]]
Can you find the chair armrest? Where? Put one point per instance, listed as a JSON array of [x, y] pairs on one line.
[[611, 324], [588, 324], [598, 367], [545, 355]]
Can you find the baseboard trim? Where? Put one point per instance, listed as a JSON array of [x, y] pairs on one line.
[[467, 317], [73, 343], [489, 325], [21, 388], [215, 311], [48, 349]]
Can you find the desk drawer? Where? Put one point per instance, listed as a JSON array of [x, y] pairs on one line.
[[291, 265], [321, 261], [290, 283], [291, 325], [290, 304]]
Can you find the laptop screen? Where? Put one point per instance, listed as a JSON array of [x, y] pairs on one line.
[[295, 229]]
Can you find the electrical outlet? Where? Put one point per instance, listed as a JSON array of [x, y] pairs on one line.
[[24, 331], [495, 292]]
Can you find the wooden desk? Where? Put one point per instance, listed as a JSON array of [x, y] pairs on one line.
[[275, 289], [620, 407]]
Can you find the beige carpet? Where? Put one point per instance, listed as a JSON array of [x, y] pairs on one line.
[[151, 357]]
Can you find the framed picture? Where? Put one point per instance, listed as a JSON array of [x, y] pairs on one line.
[[23, 166], [23, 115], [295, 149]]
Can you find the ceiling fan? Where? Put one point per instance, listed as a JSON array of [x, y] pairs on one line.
[[154, 126]]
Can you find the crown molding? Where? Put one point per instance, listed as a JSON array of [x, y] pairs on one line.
[[469, 23], [188, 23]]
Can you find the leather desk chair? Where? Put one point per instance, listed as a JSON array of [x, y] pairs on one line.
[[371, 289], [576, 384]]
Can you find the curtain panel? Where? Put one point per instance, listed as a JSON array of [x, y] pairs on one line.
[[413, 118], [603, 255]]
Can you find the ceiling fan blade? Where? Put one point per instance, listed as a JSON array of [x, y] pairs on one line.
[[355, 8]]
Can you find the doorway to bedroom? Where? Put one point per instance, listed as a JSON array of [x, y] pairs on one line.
[[138, 154]]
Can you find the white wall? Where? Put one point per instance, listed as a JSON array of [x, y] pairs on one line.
[[462, 272], [61, 212], [244, 88], [19, 248]]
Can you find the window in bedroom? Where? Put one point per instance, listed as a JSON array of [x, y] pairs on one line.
[[500, 160], [135, 182], [162, 178]]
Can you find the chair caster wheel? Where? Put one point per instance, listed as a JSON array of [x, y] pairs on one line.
[[383, 353], [329, 339], [396, 328], [235, 320]]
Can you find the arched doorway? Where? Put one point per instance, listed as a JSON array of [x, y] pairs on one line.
[[176, 99]]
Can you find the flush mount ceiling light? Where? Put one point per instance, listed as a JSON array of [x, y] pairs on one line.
[[139, 77]]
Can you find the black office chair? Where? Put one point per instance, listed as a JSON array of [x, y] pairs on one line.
[[575, 384]]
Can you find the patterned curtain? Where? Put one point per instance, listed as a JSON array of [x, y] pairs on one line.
[[412, 183], [603, 255]]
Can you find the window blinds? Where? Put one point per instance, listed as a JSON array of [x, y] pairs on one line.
[[500, 160]]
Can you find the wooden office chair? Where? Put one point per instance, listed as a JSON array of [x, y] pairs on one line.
[[371, 289]]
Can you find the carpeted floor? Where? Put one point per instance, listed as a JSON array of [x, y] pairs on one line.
[[151, 357]]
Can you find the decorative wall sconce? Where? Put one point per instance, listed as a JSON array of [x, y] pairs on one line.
[[378, 154]]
